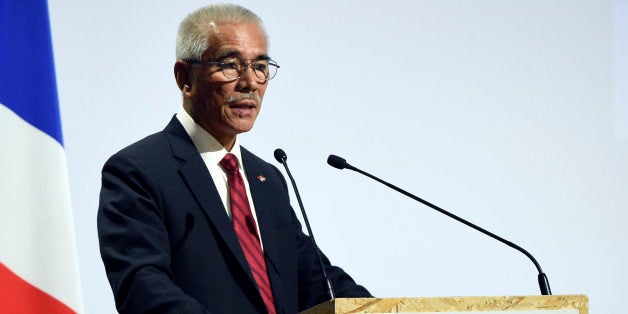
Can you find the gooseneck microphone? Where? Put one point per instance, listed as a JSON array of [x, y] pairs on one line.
[[281, 157], [341, 163]]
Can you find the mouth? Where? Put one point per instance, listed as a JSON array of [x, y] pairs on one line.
[[243, 108], [243, 105]]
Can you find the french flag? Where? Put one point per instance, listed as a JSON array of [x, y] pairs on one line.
[[38, 262]]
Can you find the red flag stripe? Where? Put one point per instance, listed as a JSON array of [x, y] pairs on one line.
[[17, 296]]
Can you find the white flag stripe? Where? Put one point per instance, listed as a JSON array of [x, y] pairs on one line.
[[36, 225]]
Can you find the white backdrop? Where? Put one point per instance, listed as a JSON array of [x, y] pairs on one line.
[[512, 114]]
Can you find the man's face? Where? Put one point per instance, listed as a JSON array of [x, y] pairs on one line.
[[226, 107]]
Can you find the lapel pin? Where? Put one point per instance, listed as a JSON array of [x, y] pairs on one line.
[[261, 178]]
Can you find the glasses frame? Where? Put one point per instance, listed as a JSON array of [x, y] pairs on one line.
[[221, 65]]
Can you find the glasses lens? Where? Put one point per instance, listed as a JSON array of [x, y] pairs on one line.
[[264, 69], [231, 68], [261, 69], [272, 69]]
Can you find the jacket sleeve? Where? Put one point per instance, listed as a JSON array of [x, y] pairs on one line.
[[312, 287], [134, 242]]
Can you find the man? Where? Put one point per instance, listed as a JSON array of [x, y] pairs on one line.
[[189, 221]]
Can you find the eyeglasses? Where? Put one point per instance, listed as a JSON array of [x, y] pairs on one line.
[[233, 68]]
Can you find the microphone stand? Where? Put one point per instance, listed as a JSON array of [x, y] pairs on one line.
[[281, 157]]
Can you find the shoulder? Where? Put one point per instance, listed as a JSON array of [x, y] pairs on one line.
[[148, 149], [171, 143], [252, 161]]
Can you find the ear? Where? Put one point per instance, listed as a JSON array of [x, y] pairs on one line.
[[183, 76]]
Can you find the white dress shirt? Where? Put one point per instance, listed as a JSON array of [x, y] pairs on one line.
[[212, 153]]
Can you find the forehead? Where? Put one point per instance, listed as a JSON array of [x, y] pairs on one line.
[[244, 40]]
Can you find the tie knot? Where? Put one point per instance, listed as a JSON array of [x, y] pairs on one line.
[[230, 162]]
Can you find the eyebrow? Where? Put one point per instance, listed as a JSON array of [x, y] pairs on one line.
[[238, 54]]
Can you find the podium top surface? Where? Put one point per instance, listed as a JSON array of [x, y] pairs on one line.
[[535, 304]]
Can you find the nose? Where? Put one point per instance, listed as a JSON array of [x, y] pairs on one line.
[[249, 81]]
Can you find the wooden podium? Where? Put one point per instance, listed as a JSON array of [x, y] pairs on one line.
[[549, 304]]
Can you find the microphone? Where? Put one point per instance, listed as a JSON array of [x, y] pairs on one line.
[[281, 157], [341, 163]]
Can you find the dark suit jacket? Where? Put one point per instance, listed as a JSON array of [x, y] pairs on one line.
[[169, 247]]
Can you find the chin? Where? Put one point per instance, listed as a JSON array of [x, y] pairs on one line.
[[242, 128]]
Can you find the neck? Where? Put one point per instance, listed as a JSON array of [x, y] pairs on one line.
[[226, 141], [228, 145]]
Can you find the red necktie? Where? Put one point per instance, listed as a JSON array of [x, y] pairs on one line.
[[246, 230]]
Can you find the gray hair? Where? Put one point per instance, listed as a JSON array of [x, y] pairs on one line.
[[193, 35]]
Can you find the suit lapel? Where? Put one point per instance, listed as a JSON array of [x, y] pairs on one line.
[[198, 180]]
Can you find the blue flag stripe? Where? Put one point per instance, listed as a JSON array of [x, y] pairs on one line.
[[27, 76]]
